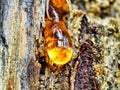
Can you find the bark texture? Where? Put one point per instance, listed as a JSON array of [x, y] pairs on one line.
[[95, 31]]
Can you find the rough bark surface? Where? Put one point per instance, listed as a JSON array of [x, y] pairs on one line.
[[96, 40]]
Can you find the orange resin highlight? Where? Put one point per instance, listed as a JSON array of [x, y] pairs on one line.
[[60, 55], [60, 5]]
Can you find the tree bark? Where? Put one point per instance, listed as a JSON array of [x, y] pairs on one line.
[[96, 45]]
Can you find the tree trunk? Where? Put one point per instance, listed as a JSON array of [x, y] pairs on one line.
[[95, 62]]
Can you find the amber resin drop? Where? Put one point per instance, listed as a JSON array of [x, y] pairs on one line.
[[57, 39], [58, 42]]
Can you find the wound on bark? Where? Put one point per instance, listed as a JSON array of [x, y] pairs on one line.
[[85, 75]]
